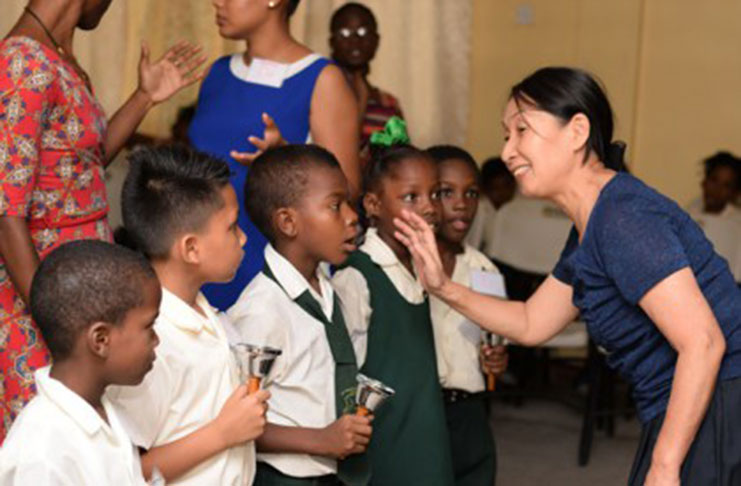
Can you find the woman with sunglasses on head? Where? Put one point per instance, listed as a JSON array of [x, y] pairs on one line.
[[275, 91], [354, 42], [55, 143], [641, 273]]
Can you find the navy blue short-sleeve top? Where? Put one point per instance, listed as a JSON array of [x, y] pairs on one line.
[[634, 239]]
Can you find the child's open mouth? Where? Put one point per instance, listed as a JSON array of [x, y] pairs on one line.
[[459, 224]]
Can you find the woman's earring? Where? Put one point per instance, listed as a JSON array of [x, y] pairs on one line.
[[271, 4]]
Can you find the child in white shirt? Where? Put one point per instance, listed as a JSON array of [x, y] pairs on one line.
[[191, 415], [95, 304], [297, 196]]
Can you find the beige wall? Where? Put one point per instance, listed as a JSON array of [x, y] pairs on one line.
[[689, 103], [671, 68]]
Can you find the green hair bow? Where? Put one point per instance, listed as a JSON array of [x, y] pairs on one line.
[[394, 133]]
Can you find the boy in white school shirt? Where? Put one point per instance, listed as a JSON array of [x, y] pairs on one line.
[[95, 304], [297, 196], [192, 416]]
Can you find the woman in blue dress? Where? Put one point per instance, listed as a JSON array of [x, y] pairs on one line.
[[641, 273], [276, 82]]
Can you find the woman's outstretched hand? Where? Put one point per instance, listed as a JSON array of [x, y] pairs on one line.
[[271, 138], [418, 237], [178, 68]]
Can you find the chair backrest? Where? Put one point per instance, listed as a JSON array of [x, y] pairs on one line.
[[725, 235], [529, 234]]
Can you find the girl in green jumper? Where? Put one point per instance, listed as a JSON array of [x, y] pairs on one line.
[[388, 316]]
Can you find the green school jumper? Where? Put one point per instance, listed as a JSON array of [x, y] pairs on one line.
[[410, 444]]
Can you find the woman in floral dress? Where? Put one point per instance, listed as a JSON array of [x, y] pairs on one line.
[[54, 145]]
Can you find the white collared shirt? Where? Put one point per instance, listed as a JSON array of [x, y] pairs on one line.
[[301, 382], [192, 377], [354, 294], [457, 339], [59, 439], [696, 210]]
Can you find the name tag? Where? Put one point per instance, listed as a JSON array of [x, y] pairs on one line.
[[488, 283]]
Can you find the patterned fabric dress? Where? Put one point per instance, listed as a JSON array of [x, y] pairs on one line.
[[381, 106], [51, 173]]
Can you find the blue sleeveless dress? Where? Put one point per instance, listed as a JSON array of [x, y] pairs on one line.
[[230, 106]]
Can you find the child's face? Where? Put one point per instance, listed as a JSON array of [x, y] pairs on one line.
[[411, 184], [131, 350], [237, 18], [326, 223], [718, 189], [220, 242], [459, 199]]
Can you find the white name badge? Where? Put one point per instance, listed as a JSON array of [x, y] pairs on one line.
[[489, 283]]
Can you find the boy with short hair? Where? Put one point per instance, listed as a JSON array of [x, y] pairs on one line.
[[95, 304], [298, 197], [191, 415]]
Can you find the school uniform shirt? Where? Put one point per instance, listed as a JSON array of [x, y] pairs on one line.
[[696, 209], [302, 380], [457, 339], [354, 295], [192, 377], [60, 439]]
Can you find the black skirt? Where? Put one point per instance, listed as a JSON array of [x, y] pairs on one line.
[[714, 458]]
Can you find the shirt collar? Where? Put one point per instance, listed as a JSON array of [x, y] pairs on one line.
[[294, 283], [186, 318], [71, 403], [377, 249], [379, 252], [729, 211]]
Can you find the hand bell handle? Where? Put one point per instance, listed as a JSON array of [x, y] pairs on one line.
[[362, 411], [253, 385], [491, 382]]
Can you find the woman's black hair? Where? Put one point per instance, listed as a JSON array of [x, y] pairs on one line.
[[563, 92], [292, 6], [723, 159]]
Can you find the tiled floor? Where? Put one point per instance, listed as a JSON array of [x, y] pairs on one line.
[[537, 446]]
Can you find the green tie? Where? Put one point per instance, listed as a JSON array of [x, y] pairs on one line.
[[354, 470]]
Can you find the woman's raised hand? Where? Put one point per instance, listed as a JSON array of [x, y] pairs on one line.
[[418, 237], [271, 138], [178, 68]]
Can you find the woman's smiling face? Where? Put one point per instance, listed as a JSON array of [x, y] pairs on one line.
[[538, 149]]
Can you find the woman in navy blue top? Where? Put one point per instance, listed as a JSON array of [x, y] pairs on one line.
[[276, 83], [640, 272]]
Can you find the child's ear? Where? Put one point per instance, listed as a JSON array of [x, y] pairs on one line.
[[187, 247], [285, 222], [98, 337], [371, 204]]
